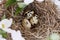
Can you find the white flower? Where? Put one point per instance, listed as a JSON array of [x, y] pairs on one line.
[[1, 1], [5, 24], [1, 38], [40, 0], [54, 36], [25, 3], [57, 2], [28, 1], [16, 35]]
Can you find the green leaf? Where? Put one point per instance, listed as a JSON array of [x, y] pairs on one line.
[[20, 7], [49, 38], [21, 4], [3, 33], [4, 16], [18, 10], [10, 2]]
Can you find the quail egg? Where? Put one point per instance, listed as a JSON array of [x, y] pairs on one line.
[[29, 14], [26, 23], [34, 20]]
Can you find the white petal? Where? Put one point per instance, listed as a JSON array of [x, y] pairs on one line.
[[11, 20], [6, 22], [8, 30], [16, 35], [1, 38], [18, 32], [57, 2], [1, 1], [0, 26], [40, 0], [28, 1], [20, 37]]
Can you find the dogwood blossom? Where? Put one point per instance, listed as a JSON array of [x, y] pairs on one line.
[[16, 35], [57, 2], [1, 38], [40, 0], [28, 1], [1, 1], [54, 36], [5, 24]]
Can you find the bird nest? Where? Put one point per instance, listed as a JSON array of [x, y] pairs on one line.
[[47, 20], [47, 24]]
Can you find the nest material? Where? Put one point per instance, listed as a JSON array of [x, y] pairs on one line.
[[47, 15]]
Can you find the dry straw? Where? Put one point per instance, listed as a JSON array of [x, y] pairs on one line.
[[47, 15], [48, 21]]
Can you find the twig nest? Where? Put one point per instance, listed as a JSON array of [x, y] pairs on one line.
[[26, 23], [29, 14], [34, 20]]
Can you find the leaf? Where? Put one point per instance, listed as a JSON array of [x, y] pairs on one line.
[[49, 39], [20, 7], [18, 10], [4, 16], [10, 2], [21, 4], [3, 33]]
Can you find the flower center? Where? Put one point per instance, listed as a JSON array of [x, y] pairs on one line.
[[3, 26]]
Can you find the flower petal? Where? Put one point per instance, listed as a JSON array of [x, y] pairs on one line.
[[8, 30], [11, 20], [57, 2], [1, 1], [0, 26], [1, 38], [16, 35], [28, 1], [40, 0], [6, 22]]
